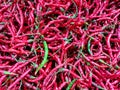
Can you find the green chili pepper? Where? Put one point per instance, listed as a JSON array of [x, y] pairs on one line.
[[8, 73], [45, 57], [71, 83]]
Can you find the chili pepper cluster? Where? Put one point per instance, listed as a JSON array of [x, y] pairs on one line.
[[59, 44]]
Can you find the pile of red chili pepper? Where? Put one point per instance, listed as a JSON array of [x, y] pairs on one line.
[[59, 44]]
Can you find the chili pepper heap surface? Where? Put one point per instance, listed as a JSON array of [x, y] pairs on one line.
[[59, 44]]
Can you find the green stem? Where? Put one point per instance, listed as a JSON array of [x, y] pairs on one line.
[[76, 13], [88, 46], [117, 67], [99, 87], [102, 61]]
